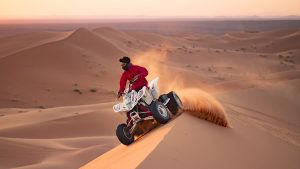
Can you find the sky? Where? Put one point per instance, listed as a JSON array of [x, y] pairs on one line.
[[84, 9]]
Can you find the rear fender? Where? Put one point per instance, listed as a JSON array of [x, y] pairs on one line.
[[153, 88]]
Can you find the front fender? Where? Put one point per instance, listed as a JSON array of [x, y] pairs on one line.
[[120, 107], [129, 101]]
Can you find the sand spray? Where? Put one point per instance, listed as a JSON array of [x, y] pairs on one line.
[[195, 101]]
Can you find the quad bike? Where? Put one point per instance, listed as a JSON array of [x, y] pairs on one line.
[[144, 106]]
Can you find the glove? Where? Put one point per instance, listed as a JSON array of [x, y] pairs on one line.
[[119, 94]]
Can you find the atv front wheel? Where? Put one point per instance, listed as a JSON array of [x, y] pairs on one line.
[[174, 104], [159, 112], [123, 134]]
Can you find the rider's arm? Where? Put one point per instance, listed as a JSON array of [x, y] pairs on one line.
[[123, 82]]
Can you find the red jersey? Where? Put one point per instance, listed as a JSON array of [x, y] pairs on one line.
[[130, 74]]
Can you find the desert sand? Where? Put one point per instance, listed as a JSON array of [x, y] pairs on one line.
[[57, 90]]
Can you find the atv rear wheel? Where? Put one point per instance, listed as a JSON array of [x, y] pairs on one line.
[[123, 134], [174, 104], [163, 98], [159, 112]]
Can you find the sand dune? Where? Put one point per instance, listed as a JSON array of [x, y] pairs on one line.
[[123, 157], [15, 43], [120, 39], [88, 40], [155, 39], [267, 42], [208, 146], [272, 34], [192, 143], [112, 34], [57, 68], [73, 134], [57, 91]]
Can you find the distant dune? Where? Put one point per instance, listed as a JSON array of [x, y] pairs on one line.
[[18, 42], [57, 68]]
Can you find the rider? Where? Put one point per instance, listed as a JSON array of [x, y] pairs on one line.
[[135, 74]]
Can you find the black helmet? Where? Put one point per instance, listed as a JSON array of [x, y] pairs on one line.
[[126, 62], [125, 59]]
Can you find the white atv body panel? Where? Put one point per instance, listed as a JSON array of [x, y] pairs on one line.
[[131, 99], [153, 88]]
